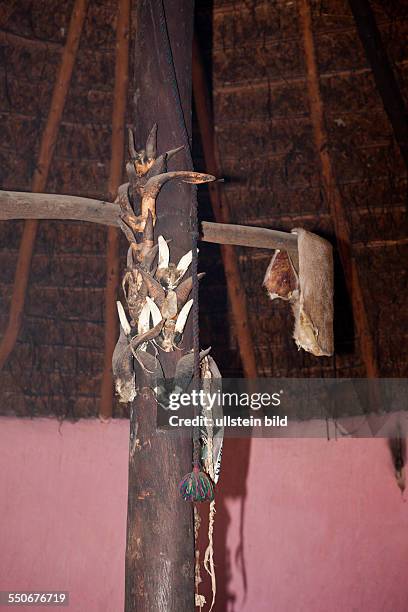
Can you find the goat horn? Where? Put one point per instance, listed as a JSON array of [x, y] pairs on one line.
[[149, 258], [184, 262], [127, 230], [144, 319], [184, 289], [131, 144], [129, 258], [159, 165], [155, 312], [148, 229], [155, 289], [149, 335], [123, 318], [182, 318], [155, 183], [151, 143], [173, 152], [164, 253]]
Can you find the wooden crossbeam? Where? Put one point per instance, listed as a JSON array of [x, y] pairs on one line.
[[21, 205]]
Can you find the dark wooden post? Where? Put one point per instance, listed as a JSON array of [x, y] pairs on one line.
[[160, 542]]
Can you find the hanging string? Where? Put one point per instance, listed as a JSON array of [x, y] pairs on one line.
[[195, 486]]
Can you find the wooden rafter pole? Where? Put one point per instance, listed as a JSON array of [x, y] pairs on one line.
[[235, 286], [337, 210], [22, 205], [48, 140], [160, 540], [383, 73], [115, 175]]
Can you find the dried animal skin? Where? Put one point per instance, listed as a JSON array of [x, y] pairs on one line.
[[310, 291], [314, 309], [281, 280]]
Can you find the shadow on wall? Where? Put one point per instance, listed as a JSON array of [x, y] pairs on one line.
[[229, 541]]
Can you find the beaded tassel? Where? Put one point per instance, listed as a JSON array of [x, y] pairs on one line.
[[196, 486]]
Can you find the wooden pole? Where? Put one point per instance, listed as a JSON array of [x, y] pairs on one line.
[[21, 205], [160, 539], [115, 175], [235, 286], [337, 210], [40, 176], [383, 73]]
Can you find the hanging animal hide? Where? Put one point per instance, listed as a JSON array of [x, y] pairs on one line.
[[309, 290], [212, 436]]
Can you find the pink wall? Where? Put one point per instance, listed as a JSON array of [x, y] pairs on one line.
[[63, 491], [324, 526]]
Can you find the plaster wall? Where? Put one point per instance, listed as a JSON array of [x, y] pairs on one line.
[[303, 525]]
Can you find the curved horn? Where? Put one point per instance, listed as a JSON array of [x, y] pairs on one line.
[[155, 312], [131, 144], [127, 230], [155, 183], [149, 335], [149, 258], [123, 318], [164, 253], [184, 262], [173, 152], [160, 164], [155, 289], [184, 289], [184, 369], [143, 325], [182, 318], [148, 229], [151, 143], [129, 258]]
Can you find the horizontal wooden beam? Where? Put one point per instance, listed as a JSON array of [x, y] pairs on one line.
[[21, 205], [248, 236], [26, 205]]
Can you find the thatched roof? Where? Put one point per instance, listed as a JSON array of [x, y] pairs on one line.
[[254, 55]]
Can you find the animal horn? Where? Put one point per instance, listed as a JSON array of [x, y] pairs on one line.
[[155, 312], [131, 144], [127, 231], [184, 289], [184, 262], [160, 164], [155, 183], [182, 318], [143, 325], [123, 318], [151, 143], [164, 253], [148, 229], [129, 258], [149, 335], [155, 289], [149, 258], [173, 152]]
